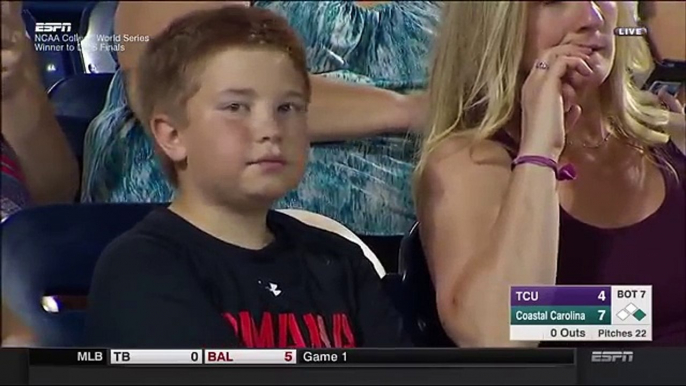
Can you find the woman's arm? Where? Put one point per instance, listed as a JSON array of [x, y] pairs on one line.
[[28, 122], [485, 228], [663, 18], [666, 17], [339, 110]]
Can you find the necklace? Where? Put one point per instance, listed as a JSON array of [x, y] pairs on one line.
[[585, 145]]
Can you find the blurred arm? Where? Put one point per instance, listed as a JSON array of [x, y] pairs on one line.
[[14, 332], [28, 122], [342, 111], [666, 18]]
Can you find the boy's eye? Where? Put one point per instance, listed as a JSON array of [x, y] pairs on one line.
[[286, 107], [235, 107]]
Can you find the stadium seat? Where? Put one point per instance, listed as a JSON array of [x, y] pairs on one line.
[[386, 248], [77, 100], [97, 21], [48, 257], [418, 294]]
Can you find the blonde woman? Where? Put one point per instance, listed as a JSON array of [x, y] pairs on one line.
[[547, 84]]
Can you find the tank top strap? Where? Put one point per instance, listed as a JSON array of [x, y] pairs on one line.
[[673, 162], [507, 141]]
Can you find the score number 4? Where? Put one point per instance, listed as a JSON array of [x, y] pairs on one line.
[[624, 294], [601, 296]]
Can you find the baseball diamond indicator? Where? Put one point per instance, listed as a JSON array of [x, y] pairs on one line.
[[580, 313], [631, 310]]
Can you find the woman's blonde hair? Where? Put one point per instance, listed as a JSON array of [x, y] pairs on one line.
[[475, 77]]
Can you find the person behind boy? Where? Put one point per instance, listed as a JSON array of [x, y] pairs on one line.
[[225, 94]]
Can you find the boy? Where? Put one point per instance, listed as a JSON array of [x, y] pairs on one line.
[[225, 93]]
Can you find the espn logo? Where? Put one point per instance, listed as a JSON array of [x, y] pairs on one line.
[[612, 356], [53, 27], [631, 31]]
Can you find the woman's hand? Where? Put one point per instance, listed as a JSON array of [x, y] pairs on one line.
[[676, 128], [670, 101], [415, 112], [16, 50], [549, 105]]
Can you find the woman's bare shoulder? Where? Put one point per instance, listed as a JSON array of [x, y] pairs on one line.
[[460, 156]]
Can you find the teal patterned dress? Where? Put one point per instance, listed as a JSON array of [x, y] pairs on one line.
[[364, 184]]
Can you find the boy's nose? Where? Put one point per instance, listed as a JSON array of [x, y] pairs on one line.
[[268, 129]]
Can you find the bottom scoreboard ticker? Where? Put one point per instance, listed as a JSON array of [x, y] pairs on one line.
[[302, 357], [581, 313]]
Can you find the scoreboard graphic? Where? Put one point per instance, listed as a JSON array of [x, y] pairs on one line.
[[302, 357], [581, 313], [485, 366], [206, 357]]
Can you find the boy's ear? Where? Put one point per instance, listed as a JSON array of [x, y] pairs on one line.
[[168, 138]]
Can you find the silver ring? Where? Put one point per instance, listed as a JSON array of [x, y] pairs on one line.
[[541, 65]]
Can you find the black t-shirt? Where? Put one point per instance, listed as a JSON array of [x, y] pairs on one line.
[[168, 284]]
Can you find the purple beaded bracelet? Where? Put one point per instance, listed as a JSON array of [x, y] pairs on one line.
[[564, 173]]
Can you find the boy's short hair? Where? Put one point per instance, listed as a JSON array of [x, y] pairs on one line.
[[169, 68]]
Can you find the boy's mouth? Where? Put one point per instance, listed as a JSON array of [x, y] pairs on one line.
[[269, 160]]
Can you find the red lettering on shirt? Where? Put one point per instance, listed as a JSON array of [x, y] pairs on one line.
[[291, 330]]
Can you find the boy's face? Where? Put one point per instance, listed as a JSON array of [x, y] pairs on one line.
[[246, 139]]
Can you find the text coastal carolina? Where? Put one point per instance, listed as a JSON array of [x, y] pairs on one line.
[[549, 315]]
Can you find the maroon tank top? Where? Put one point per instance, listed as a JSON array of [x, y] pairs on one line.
[[650, 252]]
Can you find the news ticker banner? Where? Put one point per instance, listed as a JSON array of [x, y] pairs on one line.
[[581, 313], [316, 357]]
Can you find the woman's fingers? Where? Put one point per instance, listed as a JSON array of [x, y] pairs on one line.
[[568, 96], [572, 116], [670, 101]]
